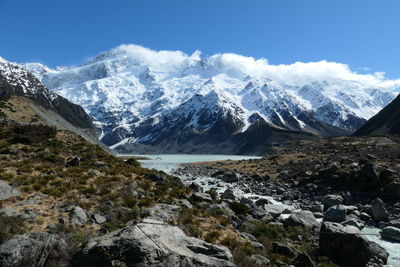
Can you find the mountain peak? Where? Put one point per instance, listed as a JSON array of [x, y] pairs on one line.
[[136, 88]]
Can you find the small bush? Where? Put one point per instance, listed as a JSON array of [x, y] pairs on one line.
[[212, 237], [11, 226], [239, 208], [133, 162]]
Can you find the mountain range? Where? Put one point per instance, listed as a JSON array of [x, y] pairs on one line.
[[143, 100]]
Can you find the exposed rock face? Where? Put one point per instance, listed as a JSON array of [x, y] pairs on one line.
[[282, 249], [345, 246], [274, 210], [302, 218], [151, 243], [303, 260], [34, 250], [391, 233], [336, 214], [78, 216], [331, 200], [7, 191], [74, 162], [379, 211], [15, 80]]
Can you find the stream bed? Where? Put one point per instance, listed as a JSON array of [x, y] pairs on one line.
[[170, 163]]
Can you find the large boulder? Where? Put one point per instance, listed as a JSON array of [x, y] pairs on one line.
[[74, 162], [391, 233], [164, 212], [78, 216], [151, 243], [303, 260], [274, 209], [34, 250], [303, 218], [7, 191], [331, 200], [230, 177], [336, 214], [344, 245], [378, 210]]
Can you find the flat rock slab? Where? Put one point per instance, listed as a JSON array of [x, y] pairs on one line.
[[7, 191], [152, 243]]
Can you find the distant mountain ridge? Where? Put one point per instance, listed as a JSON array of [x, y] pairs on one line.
[[387, 121], [162, 101]]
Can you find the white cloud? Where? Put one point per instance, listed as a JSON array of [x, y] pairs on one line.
[[298, 73]]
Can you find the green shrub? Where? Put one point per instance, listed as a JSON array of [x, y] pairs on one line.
[[238, 208], [11, 226], [133, 162]]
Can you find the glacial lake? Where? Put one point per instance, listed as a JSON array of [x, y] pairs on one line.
[[170, 162]]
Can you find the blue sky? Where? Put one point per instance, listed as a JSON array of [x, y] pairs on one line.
[[361, 33]]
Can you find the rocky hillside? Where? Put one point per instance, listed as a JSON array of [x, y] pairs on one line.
[[169, 102], [25, 99], [387, 121], [352, 184]]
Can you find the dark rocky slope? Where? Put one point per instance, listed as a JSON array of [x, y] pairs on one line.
[[387, 121], [16, 81]]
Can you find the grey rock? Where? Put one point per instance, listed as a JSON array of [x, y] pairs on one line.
[[318, 215], [164, 212], [74, 162], [274, 209], [282, 249], [99, 219], [345, 246], [230, 177], [246, 201], [201, 197], [303, 260], [9, 212], [262, 202], [395, 223], [317, 208], [95, 172], [302, 218], [248, 236], [151, 243], [222, 208], [331, 200], [370, 172], [391, 233], [354, 222], [259, 260], [336, 214], [195, 187], [99, 164], [7, 191], [229, 194], [34, 250], [186, 204], [257, 212], [78, 216], [157, 177], [378, 210], [257, 245]]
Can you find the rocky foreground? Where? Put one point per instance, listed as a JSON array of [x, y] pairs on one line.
[[66, 202], [334, 187]]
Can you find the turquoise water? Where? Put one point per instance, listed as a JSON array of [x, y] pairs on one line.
[[168, 163]]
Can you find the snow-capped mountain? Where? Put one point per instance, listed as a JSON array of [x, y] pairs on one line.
[[17, 81], [139, 96]]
